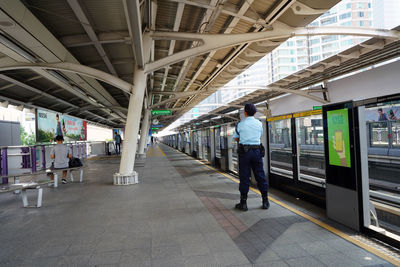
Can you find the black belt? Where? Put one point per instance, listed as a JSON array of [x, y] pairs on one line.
[[250, 146]]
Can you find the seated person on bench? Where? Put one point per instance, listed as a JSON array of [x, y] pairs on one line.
[[61, 154]]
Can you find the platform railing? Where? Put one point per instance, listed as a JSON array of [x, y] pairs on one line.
[[30, 159]]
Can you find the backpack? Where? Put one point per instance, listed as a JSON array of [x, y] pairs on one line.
[[74, 162]]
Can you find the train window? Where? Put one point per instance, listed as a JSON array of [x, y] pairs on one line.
[[383, 126], [310, 149], [280, 143]]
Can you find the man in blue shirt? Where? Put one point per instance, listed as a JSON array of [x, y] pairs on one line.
[[118, 140], [248, 133]]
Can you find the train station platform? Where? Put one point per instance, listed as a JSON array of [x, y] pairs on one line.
[[180, 214]]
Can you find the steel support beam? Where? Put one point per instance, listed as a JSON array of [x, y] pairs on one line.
[[144, 132], [75, 68], [132, 123], [212, 42], [133, 17]]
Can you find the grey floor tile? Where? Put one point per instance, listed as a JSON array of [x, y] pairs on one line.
[[52, 251], [137, 242], [336, 260], [74, 260], [192, 249], [267, 256], [316, 247], [80, 249], [305, 262], [40, 262], [135, 254], [289, 251], [271, 264], [171, 262], [105, 258], [200, 261], [166, 252], [136, 263], [228, 258]]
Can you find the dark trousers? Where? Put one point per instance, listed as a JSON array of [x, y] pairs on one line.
[[117, 148], [251, 160]]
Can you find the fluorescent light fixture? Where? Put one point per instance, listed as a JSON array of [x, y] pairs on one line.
[[19, 50], [92, 99], [78, 89], [4, 104]]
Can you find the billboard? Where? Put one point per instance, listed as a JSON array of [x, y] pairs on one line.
[[51, 124], [339, 137]]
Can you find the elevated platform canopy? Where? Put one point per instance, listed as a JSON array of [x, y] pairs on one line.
[[108, 36], [79, 56], [368, 53]]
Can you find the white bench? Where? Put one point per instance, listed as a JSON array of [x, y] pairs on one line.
[[23, 187], [69, 172]]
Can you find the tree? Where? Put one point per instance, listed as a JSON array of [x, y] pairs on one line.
[[27, 139]]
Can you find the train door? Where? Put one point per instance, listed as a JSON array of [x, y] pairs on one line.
[[198, 144], [205, 136], [233, 149], [282, 156], [379, 138], [217, 144], [310, 159], [211, 146]]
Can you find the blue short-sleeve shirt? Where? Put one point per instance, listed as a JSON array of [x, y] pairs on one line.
[[249, 131]]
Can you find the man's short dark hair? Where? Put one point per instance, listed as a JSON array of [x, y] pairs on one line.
[[59, 138], [379, 109], [250, 109]]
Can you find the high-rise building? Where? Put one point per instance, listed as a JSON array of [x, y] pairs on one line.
[[386, 13], [299, 52]]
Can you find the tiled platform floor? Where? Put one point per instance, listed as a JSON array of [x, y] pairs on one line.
[[180, 214]]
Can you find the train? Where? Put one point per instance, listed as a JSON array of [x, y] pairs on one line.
[[296, 159]]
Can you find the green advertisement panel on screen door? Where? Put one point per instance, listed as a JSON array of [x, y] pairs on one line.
[[339, 138]]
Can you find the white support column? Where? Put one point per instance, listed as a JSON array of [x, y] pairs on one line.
[[126, 173], [144, 133]]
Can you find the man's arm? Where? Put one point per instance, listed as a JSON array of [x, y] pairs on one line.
[[52, 153], [236, 134]]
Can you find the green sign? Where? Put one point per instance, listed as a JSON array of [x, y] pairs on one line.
[[161, 112], [317, 107], [155, 129], [339, 137]]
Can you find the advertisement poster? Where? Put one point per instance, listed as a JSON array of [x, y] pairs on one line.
[[383, 113], [338, 138], [51, 124]]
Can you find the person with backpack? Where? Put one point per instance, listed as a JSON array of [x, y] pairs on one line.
[[60, 154]]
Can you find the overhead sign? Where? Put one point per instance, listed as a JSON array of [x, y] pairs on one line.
[[161, 112], [317, 107], [339, 137], [155, 129], [157, 126]]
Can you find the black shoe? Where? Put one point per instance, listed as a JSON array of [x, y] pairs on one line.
[[265, 204], [64, 181], [241, 206]]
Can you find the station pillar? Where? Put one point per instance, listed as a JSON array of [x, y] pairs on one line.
[[126, 174], [144, 131]]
